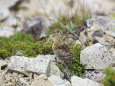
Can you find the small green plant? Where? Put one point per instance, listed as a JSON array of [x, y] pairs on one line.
[[75, 68], [112, 15], [109, 79], [68, 25], [24, 44]]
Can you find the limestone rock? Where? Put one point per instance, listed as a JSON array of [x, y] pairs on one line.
[[7, 3], [6, 31], [57, 81], [50, 81], [51, 57], [77, 81], [41, 81], [23, 64], [100, 30], [96, 57], [96, 75], [4, 14], [54, 70], [106, 23]]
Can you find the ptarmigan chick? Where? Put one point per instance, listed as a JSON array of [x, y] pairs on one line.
[[62, 50]]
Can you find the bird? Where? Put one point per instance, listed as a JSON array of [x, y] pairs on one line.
[[61, 49], [63, 53]]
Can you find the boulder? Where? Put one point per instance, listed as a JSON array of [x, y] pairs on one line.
[[4, 8], [77, 81], [23, 65], [96, 57], [106, 23], [36, 27], [100, 30]]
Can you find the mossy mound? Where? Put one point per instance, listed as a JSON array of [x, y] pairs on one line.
[[24, 45]]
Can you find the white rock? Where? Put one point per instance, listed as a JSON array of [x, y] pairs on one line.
[[51, 57], [96, 75], [96, 57], [77, 81], [7, 3], [51, 81], [6, 31], [54, 70], [4, 14], [41, 81], [57, 81], [38, 65], [22, 64]]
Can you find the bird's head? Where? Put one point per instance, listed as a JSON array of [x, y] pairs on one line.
[[58, 36]]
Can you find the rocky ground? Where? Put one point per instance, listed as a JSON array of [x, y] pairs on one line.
[[42, 70]]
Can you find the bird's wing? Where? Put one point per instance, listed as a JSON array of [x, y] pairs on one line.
[[64, 51], [64, 47]]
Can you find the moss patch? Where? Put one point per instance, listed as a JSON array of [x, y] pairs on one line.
[[112, 15], [109, 80], [24, 45]]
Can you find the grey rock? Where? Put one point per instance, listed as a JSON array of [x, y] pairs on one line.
[[36, 27], [4, 14], [50, 81], [104, 22], [54, 70], [7, 3], [6, 31], [77, 81], [23, 65], [96, 75], [96, 57]]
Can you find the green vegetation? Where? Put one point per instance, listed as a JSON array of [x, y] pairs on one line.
[[24, 45], [112, 15], [68, 25], [75, 68], [109, 80]]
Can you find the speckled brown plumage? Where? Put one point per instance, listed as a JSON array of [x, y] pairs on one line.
[[62, 50]]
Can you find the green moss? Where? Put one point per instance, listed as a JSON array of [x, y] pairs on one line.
[[109, 80], [4, 53], [112, 15], [22, 37], [24, 45]]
